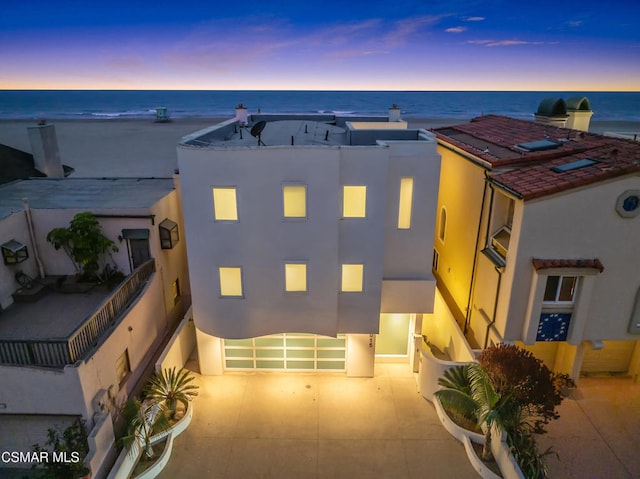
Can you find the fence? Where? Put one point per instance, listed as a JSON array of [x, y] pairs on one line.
[[60, 352]]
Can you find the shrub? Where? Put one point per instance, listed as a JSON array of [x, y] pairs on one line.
[[518, 372]]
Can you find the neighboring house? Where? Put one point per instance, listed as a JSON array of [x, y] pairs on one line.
[[68, 349], [307, 236], [537, 238], [19, 165]]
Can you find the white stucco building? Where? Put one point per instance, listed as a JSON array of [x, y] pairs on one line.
[[70, 350], [306, 242]]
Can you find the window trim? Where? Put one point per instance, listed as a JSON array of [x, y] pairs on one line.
[[342, 215], [231, 296], [213, 199], [306, 280], [306, 202], [342, 290]]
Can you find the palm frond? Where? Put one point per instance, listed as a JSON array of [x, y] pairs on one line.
[[456, 378], [457, 401]]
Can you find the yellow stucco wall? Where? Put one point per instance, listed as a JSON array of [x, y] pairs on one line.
[[460, 193]]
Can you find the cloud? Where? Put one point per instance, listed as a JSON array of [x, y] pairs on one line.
[[507, 43], [575, 23], [456, 30], [405, 29], [473, 19]]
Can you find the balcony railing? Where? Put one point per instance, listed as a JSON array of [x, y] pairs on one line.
[[57, 353]]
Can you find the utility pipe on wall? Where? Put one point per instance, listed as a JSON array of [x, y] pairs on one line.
[[32, 236]]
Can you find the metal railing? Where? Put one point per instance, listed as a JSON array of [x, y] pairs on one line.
[[60, 352]]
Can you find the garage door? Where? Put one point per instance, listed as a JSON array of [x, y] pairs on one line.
[[615, 357], [277, 352]]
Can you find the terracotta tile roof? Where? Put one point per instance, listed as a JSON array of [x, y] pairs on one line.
[[529, 174], [567, 263]]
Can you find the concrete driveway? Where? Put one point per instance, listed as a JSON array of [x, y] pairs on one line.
[[274, 425]]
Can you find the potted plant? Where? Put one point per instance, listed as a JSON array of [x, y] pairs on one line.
[[86, 245], [169, 387], [564, 384]]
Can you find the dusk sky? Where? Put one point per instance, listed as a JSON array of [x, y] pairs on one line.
[[310, 45]]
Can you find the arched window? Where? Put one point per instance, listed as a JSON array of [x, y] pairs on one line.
[[443, 224]]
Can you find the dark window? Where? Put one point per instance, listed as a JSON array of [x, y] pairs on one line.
[[560, 289], [123, 367]]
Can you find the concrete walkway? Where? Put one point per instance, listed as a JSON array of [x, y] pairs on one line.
[[598, 433], [274, 425]]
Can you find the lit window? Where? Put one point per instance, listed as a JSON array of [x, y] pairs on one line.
[[354, 201], [123, 367], [295, 275], [225, 206], [295, 201], [352, 275], [443, 224], [406, 203], [230, 281], [560, 289]]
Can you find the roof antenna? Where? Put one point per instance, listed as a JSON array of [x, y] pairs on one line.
[[256, 131], [326, 136]]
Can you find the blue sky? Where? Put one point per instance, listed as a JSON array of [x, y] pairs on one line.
[[306, 45]]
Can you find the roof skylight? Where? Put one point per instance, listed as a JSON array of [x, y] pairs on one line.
[[574, 165], [539, 145]]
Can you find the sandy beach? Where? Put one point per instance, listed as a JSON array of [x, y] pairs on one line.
[[142, 148]]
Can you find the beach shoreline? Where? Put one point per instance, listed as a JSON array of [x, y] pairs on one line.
[[134, 147]]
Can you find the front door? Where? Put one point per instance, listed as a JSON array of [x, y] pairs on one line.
[[393, 339], [139, 250]]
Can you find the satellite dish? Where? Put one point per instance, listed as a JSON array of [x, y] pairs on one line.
[[256, 131]]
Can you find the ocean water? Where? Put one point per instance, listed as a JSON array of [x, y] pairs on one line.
[[610, 106]]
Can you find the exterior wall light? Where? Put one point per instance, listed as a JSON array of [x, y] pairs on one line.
[[14, 252], [169, 235]]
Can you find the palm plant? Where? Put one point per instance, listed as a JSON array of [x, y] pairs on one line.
[[142, 422], [477, 397], [169, 387]]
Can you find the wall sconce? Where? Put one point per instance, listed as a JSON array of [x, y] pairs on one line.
[[14, 252], [169, 235]]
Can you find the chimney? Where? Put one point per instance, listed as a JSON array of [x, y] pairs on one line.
[[44, 146], [580, 113], [241, 114], [394, 113]]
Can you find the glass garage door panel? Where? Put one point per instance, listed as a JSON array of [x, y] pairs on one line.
[[296, 352]]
